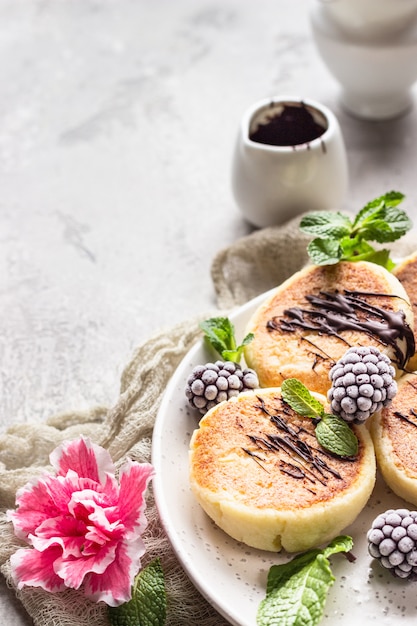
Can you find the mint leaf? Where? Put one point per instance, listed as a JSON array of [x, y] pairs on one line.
[[355, 247], [236, 355], [383, 225], [397, 224], [343, 543], [393, 198], [328, 223], [300, 399], [147, 606], [332, 432], [336, 436], [390, 199], [339, 239], [280, 574], [324, 251], [297, 591], [220, 334], [379, 257], [362, 251]]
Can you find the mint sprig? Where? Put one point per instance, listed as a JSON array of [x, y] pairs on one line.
[[220, 334], [296, 591], [332, 432], [147, 607], [338, 238]]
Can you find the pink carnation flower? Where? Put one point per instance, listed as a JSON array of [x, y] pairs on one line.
[[84, 527]]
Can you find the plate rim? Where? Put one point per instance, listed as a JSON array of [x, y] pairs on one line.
[[157, 483]]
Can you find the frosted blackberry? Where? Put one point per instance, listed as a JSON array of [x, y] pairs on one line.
[[392, 540], [212, 383], [362, 383]]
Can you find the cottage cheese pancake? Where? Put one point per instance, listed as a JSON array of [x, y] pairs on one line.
[[394, 432], [317, 314], [406, 272], [257, 470]]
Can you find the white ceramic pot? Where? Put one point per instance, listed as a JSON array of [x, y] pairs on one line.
[[272, 184], [376, 76], [371, 18]]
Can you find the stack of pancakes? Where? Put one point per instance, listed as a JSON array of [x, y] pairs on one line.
[[255, 465]]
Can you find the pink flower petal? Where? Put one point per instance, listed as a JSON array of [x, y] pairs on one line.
[[48, 498], [84, 457], [73, 570], [134, 479], [35, 569], [102, 529], [35, 505], [66, 532], [115, 586], [86, 501]]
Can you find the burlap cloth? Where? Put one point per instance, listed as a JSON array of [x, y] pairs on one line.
[[247, 268]]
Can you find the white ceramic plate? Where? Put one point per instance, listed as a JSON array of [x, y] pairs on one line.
[[229, 574]]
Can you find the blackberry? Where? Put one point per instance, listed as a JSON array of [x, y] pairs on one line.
[[212, 383], [363, 382], [392, 540]]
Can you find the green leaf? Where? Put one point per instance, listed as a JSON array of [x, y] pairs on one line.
[[390, 199], [280, 574], [332, 432], [336, 436], [326, 223], [369, 212], [236, 355], [389, 226], [393, 198], [360, 250], [379, 257], [220, 334], [397, 224], [355, 247], [249, 337], [343, 543], [300, 399], [324, 251], [338, 239], [381, 220], [148, 604], [297, 591]]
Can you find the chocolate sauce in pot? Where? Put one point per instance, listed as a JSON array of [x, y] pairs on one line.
[[332, 313], [292, 126]]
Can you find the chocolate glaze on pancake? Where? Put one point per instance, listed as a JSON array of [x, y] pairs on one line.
[[298, 457], [406, 272], [306, 325], [258, 471], [335, 312]]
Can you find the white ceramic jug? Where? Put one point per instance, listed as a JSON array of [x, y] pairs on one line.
[[369, 19], [370, 47], [272, 183]]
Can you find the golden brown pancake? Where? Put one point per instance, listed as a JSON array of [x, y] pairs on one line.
[[406, 272], [394, 433], [318, 313], [257, 470]]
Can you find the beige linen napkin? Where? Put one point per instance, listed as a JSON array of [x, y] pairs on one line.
[[250, 266]]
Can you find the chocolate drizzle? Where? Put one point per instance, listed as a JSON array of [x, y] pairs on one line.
[[299, 459], [332, 313], [407, 419]]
